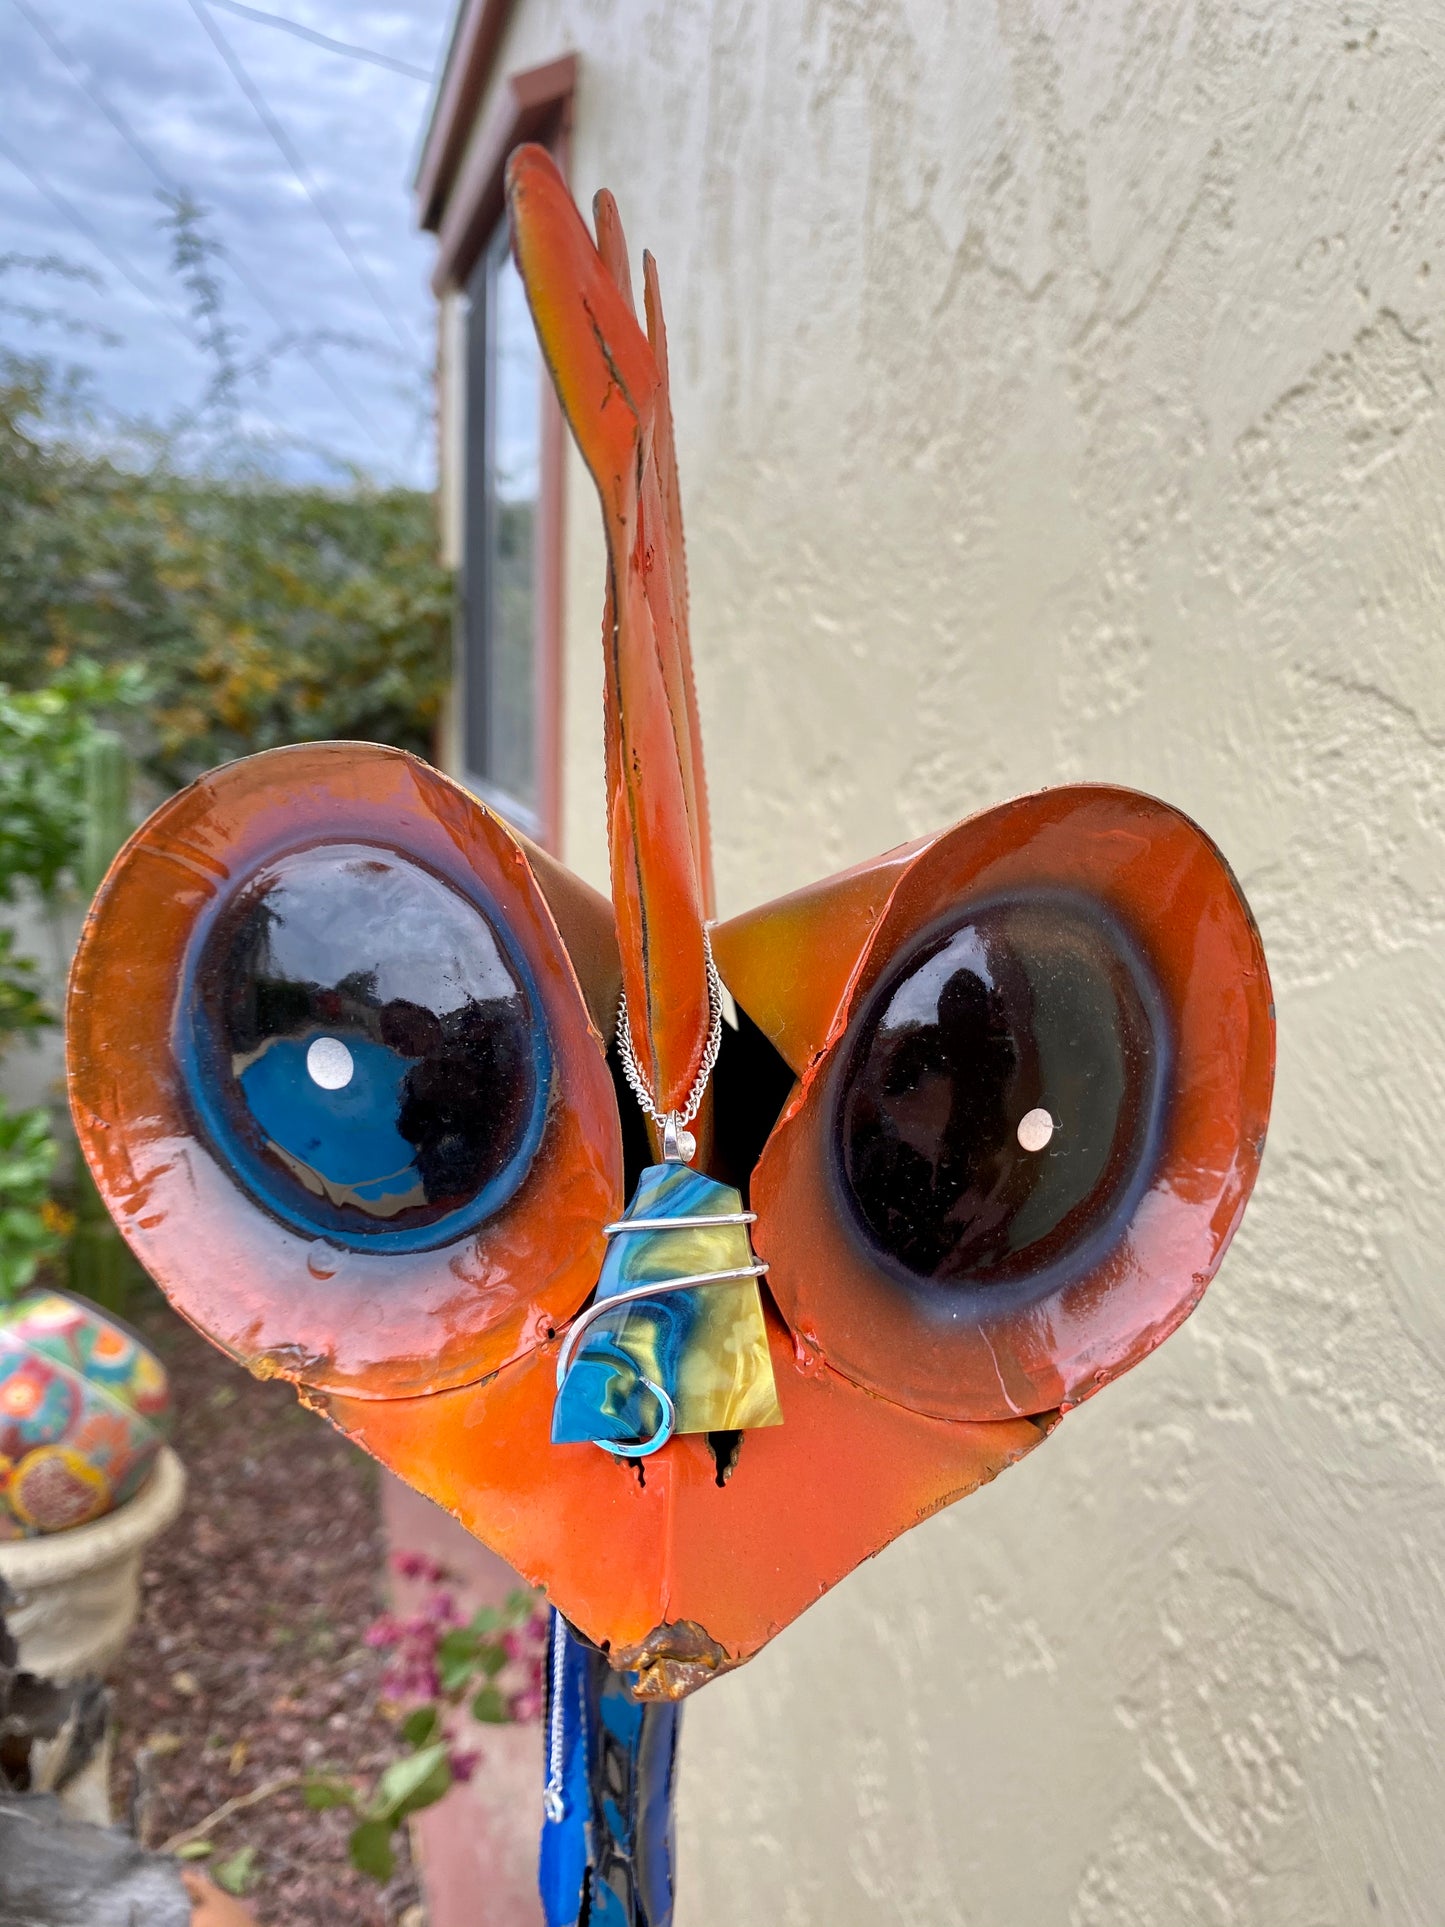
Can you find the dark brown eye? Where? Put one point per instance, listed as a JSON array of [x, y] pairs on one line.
[[1031, 1101], [998, 1103], [365, 1049]]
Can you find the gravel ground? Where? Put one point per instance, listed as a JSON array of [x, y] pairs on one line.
[[248, 1662]]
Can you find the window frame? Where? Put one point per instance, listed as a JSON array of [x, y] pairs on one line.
[[534, 105], [477, 641]]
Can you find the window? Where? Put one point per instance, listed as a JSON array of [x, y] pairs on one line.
[[502, 599]]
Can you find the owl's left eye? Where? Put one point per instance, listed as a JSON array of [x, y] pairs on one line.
[[366, 1050], [337, 1077]]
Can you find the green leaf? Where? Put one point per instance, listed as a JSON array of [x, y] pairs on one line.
[[195, 1850], [236, 1875], [491, 1660], [409, 1784], [322, 1795], [456, 1658], [371, 1850], [421, 1725], [490, 1706]]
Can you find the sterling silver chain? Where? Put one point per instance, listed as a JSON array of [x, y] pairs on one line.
[[632, 1070]]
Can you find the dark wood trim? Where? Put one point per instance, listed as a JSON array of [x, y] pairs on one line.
[[531, 106], [473, 49], [534, 105], [551, 652], [550, 511]]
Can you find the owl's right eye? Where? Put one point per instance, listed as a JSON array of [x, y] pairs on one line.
[[998, 1103], [1036, 1064]]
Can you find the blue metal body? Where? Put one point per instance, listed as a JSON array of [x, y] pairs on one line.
[[608, 1860]]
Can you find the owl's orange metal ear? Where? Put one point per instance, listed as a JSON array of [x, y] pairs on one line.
[[791, 963], [612, 384], [1108, 919], [414, 926]]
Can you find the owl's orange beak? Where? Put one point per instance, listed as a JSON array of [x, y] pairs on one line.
[[611, 379]]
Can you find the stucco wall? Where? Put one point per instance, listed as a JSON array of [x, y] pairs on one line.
[[1059, 395]]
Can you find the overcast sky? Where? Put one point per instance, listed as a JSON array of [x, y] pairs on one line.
[[347, 278]]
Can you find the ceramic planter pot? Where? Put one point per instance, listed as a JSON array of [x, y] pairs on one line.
[[77, 1592], [84, 1412], [86, 1478]]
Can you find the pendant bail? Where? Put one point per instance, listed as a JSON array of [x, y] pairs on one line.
[[679, 1146]]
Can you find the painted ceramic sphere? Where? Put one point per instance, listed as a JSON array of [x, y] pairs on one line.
[[84, 1409]]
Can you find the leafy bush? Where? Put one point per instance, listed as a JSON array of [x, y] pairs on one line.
[[32, 1227], [173, 572], [48, 737], [259, 611], [49, 742]]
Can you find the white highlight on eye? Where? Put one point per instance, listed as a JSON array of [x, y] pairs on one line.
[[329, 1062], [1035, 1130]]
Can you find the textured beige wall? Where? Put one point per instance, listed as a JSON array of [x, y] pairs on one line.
[[1059, 395]]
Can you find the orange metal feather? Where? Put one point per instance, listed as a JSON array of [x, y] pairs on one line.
[[614, 397]]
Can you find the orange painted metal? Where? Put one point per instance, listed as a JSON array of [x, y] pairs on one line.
[[791, 963], [624, 1557], [614, 397], [442, 1362], [1169, 888], [375, 1325]]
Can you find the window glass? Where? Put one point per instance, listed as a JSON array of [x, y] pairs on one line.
[[503, 478]]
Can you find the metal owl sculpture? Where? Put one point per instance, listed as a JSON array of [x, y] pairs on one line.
[[351, 1068]]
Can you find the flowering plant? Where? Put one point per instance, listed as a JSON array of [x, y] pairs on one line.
[[438, 1663]]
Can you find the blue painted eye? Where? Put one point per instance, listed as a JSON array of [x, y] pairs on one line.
[[365, 1048]]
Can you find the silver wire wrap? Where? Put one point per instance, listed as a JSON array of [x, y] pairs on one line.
[[656, 1288], [552, 1802], [672, 1123], [644, 1448]]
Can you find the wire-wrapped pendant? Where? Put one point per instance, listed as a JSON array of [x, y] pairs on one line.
[[674, 1340]]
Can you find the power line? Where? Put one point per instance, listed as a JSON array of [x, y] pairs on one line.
[[117, 260], [97, 240], [324, 40], [167, 181], [298, 167]]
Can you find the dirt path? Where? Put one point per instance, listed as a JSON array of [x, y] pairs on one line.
[[248, 1661]]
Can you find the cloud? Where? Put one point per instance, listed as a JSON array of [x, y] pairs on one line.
[[355, 126]]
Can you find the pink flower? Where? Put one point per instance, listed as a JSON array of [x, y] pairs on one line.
[[419, 1565], [526, 1705], [464, 1765]]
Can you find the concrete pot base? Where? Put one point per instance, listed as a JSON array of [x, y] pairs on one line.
[[77, 1592]]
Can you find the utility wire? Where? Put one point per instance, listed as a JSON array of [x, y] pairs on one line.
[[167, 181], [97, 240], [324, 40], [117, 260], [298, 167]]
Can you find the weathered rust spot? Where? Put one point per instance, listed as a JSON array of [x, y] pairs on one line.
[[673, 1661], [284, 1361]]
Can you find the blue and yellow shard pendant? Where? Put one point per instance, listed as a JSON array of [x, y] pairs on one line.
[[674, 1340]]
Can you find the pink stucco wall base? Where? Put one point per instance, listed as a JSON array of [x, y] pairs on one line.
[[477, 1848]]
